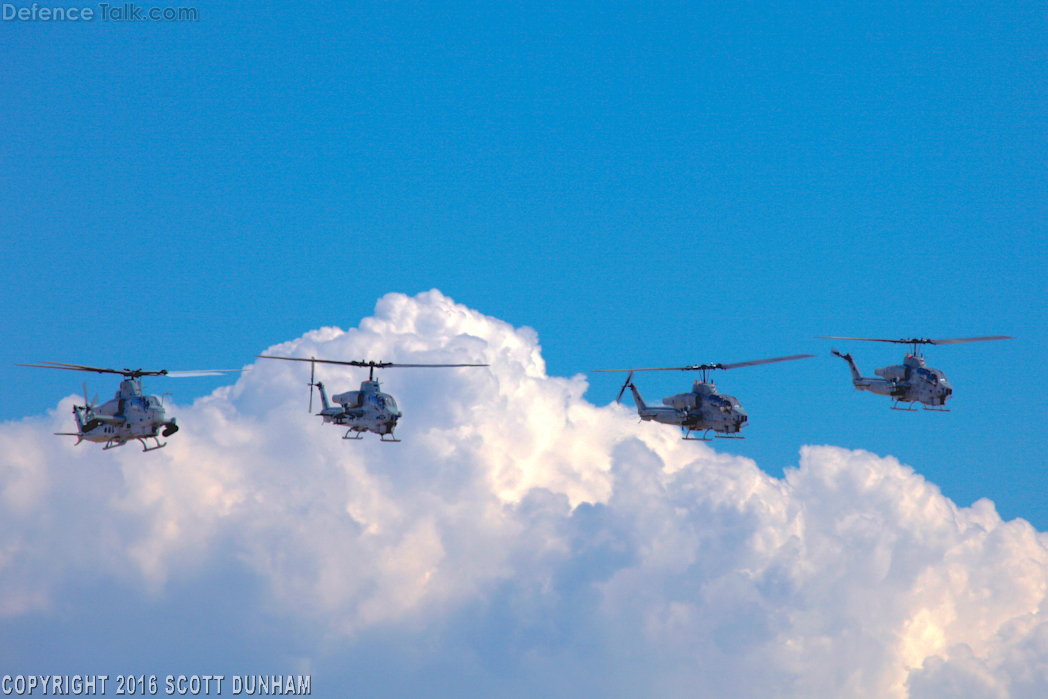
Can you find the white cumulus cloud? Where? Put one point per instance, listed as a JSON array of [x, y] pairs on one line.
[[522, 540]]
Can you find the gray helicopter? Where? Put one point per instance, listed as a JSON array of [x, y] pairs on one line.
[[911, 382], [703, 409], [130, 414], [366, 410]]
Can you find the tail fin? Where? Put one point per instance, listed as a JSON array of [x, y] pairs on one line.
[[79, 424], [323, 395], [641, 405], [856, 375]]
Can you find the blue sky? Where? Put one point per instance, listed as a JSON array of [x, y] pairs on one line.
[[650, 184]]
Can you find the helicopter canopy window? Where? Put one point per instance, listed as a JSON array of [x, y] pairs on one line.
[[382, 401], [932, 376]]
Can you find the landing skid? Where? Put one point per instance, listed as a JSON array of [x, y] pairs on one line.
[[146, 447], [352, 432], [391, 439], [911, 409], [113, 444], [704, 438], [937, 410]]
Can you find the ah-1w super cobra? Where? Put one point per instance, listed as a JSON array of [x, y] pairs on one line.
[[912, 381], [703, 408], [130, 414], [366, 410]]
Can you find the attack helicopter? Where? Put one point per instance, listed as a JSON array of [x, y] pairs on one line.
[[130, 414], [703, 408], [366, 410], [912, 381]]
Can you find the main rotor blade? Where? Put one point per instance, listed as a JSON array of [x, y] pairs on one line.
[[707, 367], [866, 339], [372, 364], [920, 341], [654, 368], [756, 362], [201, 372], [419, 366], [72, 367], [957, 340], [135, 373], [321, 361]]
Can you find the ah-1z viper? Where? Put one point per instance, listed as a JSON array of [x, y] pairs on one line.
[[366, 410], [130, 414], [703, 408], [911, 382]]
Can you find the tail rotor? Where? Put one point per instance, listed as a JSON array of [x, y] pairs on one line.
[[626, 385], [89, 404], [312, 382]]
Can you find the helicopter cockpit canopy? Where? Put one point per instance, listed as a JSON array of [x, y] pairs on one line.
[[381, 401], [932, 376]]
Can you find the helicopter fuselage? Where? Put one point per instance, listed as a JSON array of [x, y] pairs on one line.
[[700, 410], [129, 415], [910, 382], [366, 410]]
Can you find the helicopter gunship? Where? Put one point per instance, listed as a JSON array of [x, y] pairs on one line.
[[703, 409], [911, 382], [366, 410], [131, 414]]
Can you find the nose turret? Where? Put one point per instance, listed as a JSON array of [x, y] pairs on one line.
[[945, 389]]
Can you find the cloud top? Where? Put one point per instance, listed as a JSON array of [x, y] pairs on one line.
[[549, 544]]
